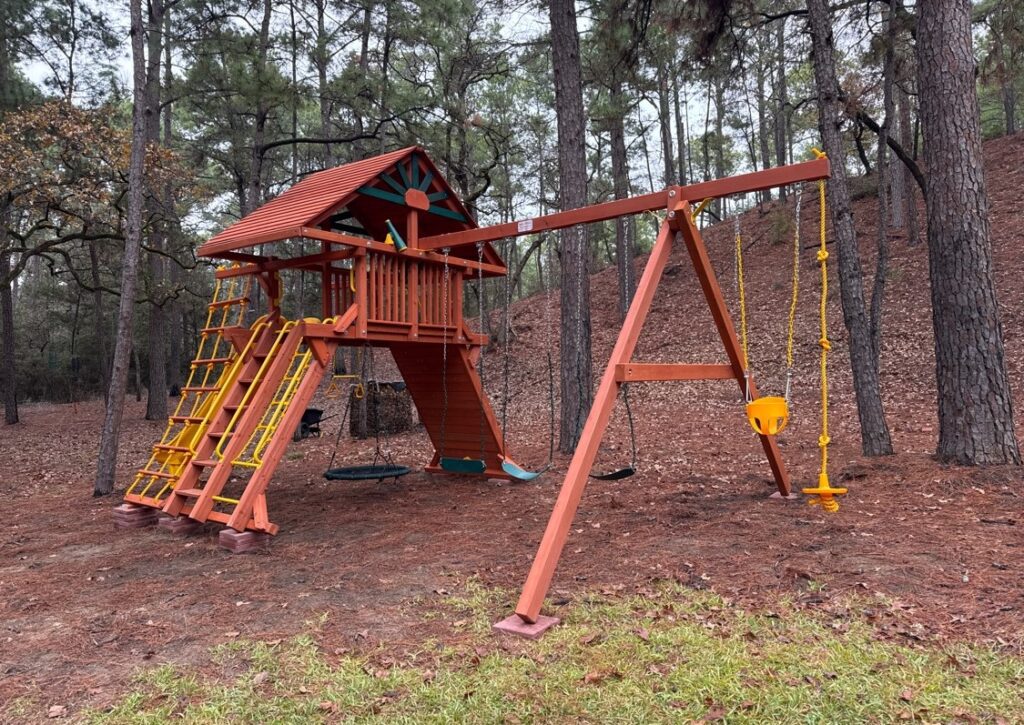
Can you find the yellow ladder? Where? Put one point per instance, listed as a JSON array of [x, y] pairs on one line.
[[252, 454], [214, 366]]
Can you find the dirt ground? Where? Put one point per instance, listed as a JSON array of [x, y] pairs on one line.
[[930, 553]]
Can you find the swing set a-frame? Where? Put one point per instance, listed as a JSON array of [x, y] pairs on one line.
[[251, 380]]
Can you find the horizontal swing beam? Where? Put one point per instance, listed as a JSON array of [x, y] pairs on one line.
[[666, 199], [640, 372]]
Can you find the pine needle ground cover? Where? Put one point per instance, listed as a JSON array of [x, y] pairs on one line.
[[676, 655]]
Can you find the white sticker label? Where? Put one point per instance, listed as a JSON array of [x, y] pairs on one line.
[[525, 225]]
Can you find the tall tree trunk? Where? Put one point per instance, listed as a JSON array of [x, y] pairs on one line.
[[107, 460], [99, 325], [782, 110], [8, 375], [764, 146], [975, 404], [254, 195], [681, 140], [156, 398], [909, 198], [874, 432], [665, 123], [576, 389], [625, 246], [884, 174], [1010, 105], [719, 172], [175, 276]]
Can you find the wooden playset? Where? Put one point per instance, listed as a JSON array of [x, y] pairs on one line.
[[251, 383]]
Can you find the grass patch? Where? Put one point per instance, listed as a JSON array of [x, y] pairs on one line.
[[671, 656]]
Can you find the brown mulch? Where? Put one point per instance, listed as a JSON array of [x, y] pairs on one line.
[[936, 546]]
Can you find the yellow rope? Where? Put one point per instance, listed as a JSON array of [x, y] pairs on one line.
[[823, 341], [824, 491], [701, 207]]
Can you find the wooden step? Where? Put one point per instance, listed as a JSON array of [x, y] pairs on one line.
[[187, 419], [200, 389], [172, 449], [189, 492], [208, 463]]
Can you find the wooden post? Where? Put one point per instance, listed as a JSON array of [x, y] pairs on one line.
[[543, 569], [359, 270]]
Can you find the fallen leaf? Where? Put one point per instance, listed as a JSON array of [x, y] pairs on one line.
[[57, 711]]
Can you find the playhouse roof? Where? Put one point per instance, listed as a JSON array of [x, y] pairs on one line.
[[353, 198]]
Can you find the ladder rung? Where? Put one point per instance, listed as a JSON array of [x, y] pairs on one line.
[[215, 433], [219, 328], [229, 302], [173, 449], [211, 361], [187, 419], [245, 464], [210, 463], [189, 492], [246, 381], [156, 474], [200, 389]]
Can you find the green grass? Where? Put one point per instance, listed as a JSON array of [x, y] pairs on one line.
[[672, 656]]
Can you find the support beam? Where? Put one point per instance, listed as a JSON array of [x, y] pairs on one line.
[[742, 184], [640, 372]]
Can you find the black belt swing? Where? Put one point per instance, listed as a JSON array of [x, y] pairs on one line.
[[382, 466]]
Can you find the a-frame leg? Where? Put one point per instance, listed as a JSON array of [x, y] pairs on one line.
[[542, 571], [543, 568]]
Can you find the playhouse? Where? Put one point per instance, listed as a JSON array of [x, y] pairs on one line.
[[396, 247]]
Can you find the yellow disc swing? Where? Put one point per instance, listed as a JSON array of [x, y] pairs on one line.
[[768, 415]]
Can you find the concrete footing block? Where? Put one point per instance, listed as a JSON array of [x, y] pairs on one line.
[[130, 516], [240, 542], [520, 628]]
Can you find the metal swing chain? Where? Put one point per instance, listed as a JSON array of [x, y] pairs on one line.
[[791, 327], [480, 307], [379, 454], [743, 306], [444, 351], [506, 360], [337, 438], [548, 343]]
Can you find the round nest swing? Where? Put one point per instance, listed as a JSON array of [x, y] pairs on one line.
[[366, 473]]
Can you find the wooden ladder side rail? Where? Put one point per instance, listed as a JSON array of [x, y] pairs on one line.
[[234, 396], [252, 416], [556, 533], [252, 504]]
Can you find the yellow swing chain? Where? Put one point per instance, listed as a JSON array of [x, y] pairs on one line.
[[824, 493], [741, 288]]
